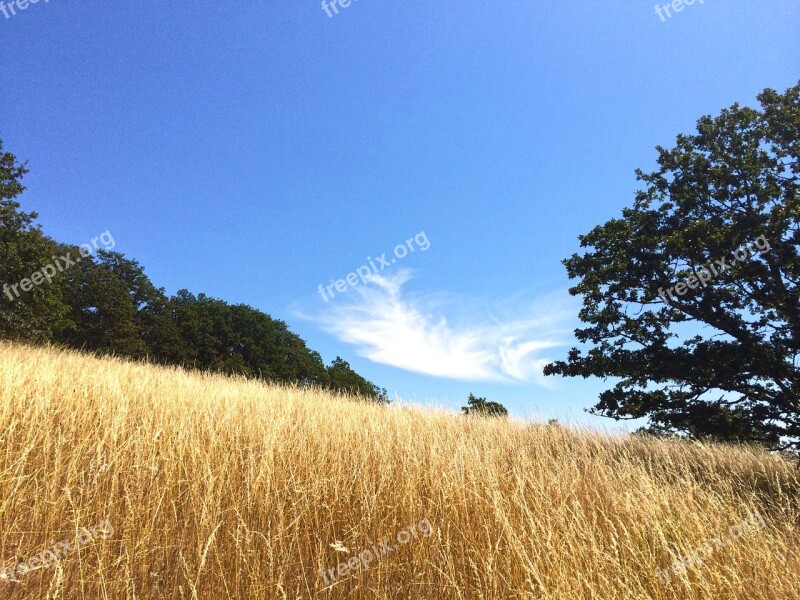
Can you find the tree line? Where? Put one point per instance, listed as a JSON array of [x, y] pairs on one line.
[[105, 303]]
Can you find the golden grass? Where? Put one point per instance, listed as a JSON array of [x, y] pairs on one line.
[[220, 488]]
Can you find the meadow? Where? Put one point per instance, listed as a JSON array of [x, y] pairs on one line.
[[214, 487]]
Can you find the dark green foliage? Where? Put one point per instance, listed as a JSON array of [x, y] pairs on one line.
[[105, 297], [35, 314], [105, 303], [719, 362], [344, 379], [480, 407], [240, 339]]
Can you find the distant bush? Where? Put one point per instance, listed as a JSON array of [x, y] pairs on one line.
[[481, 407]]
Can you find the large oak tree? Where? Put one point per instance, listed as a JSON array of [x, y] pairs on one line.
[[716, 357]]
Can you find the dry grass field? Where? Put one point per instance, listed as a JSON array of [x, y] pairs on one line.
[[218, 488]]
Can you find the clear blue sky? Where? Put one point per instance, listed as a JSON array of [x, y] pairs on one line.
[[255, 150]]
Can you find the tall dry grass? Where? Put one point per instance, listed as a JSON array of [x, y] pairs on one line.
[[219, 488]]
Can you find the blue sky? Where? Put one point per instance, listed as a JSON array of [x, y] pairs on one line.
[[254, 151]]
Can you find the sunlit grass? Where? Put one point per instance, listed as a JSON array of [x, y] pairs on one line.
[[223, 488]]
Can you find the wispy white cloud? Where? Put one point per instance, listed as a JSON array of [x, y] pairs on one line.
[[411, 332]]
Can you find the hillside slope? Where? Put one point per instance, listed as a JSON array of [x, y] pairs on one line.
[[200, 486]]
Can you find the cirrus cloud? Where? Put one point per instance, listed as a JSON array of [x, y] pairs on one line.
[[411, 332]]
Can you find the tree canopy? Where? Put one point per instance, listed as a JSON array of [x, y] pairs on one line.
[[690, 300]]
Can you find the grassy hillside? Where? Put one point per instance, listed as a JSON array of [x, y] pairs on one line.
[[193, 486]]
